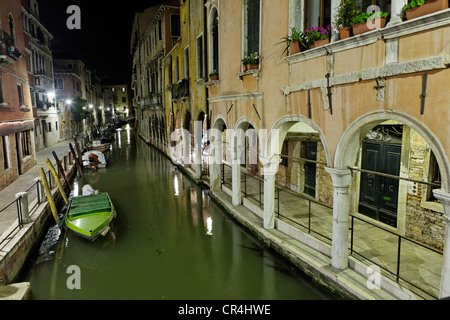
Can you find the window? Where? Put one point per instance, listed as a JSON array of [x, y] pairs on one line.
[[318, 13], [169, 71], [363, 5], [124, 89], [20, 94], [175, 25], [434, 177], [215, 41], [59, 84], [6, 153], [159, 30], [12, 28], [186, 63], [200, 69], [252, 27], [124, 99], [49, 127], [177, 69], [26, 143]]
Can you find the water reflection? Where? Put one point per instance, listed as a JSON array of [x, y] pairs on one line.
[[165, 246]]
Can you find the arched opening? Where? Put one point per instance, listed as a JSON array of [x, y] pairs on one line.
[[396, 162], [303, 189]]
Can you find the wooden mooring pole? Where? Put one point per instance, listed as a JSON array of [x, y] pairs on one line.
[[58, 183], [61, 169], [48, 192], [76, 159]]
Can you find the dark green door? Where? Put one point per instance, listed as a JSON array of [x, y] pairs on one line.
[[378, 194]]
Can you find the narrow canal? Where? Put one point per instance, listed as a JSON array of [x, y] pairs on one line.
[[169, 241]]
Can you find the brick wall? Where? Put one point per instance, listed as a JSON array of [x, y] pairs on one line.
[[422, 224]]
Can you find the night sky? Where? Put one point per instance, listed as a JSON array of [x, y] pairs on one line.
[[103, 43]]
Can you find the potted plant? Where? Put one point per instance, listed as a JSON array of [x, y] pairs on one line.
[[251, 62], [417, 8], [364, 22], [317, 37], [214, 75], [346, 11], [296, 41]]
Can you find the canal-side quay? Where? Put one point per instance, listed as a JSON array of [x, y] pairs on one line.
[[308, 254], [17, 243]]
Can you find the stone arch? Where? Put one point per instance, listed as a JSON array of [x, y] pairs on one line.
[[284, 124], [347, 149]]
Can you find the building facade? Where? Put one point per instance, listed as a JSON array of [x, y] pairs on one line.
[[40, 70], [16, 114], [355, 129]]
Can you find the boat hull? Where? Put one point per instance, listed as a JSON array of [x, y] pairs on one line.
[[90, 216]]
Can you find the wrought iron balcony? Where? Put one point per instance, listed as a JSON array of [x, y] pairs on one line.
[[8, 51], [180, 89]]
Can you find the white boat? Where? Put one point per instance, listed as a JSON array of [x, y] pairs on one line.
[[94, 159]]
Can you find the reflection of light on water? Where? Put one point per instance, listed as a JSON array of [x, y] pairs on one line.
[[128, 135], [209, 224], [175, 185], [119, 138]]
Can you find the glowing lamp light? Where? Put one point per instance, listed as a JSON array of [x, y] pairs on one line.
[[51, 95], [91, 106], [68, 101]]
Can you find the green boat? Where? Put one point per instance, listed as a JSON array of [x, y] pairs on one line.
[[90, 216]]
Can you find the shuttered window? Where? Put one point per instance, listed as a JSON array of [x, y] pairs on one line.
[[253, 26]]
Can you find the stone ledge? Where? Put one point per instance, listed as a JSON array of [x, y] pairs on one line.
[[16, 291]]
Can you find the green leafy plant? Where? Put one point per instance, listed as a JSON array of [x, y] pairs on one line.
[[214, 73], [414, 3], [363, 17], [295, 35], [346, 11]]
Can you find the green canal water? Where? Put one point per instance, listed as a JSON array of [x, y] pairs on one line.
[[169, 241]]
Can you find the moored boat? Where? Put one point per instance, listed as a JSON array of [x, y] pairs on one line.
[[90, 216]]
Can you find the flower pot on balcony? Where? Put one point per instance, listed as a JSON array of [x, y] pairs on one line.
[[214, 77], [252, 66], [319, 43], [426, 8], [344, 32], [367, 26], [296, 47], [245, 67]]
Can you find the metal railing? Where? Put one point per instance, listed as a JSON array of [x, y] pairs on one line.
[[391, 261], [35, 196]]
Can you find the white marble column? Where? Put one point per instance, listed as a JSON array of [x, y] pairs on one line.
[[186, 148], [396, 11], [444, 198], [341, 206], [271, 165], [215, 158], [198, 135], [236, 152], [334, 29]]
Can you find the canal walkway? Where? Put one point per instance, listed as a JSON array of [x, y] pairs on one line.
[[410, 264], [16, 242]]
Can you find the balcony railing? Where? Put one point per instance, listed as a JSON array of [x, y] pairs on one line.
[[8, 48], [180, 89]]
